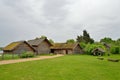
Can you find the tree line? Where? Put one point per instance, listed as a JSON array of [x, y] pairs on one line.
[[109, 45]]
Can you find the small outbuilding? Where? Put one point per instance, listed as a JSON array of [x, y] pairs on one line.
[[41, 45], [18, 47], [66, 48], [98, 51], [107, 46]]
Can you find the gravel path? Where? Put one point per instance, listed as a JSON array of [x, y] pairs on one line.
[[28, 59]]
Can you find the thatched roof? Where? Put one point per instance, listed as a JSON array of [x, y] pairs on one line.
[[98, 50], [37, 41], [64, 45], [107, 45], [13, 45]]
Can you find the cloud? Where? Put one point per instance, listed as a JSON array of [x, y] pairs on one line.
[[58, 19], [96, 16]]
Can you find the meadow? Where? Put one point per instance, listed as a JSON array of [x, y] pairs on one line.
[[68, 67]]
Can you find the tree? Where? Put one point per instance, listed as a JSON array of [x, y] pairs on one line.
[[51, 41], [43, 37], [118, 40], [1, 48], [80, 38], [85, 38], [106, 40], [70, 41], [85, 34]]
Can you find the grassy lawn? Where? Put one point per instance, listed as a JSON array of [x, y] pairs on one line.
[[69, 67]]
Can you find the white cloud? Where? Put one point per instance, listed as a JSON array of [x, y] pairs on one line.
[[58, 19]]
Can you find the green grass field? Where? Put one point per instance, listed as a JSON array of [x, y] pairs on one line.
[[69, 67]]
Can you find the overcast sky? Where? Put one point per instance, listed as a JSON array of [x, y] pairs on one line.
[[58, 19]]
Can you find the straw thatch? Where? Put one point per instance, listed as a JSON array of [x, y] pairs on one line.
[[66, 48], [98, 51], [41, 45], [18, 47]]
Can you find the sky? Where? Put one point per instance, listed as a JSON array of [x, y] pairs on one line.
[[59, 20]]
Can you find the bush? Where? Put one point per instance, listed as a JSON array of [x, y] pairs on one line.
[[27, 54], [115, 50], [90, 47], [83, 45]]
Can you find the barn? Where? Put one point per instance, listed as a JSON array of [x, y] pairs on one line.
[[41, 45], [66, 48], [18, 47]]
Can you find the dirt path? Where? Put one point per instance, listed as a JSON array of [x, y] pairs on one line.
[[28, 59]]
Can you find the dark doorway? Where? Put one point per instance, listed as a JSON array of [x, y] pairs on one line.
[[52, 51], [66, 51]]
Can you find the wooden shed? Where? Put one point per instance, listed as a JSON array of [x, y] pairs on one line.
[[18, 47], [41, 45], [98, 51], [66, 48]]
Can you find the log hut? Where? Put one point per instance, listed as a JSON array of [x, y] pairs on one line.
[[18, 48], [98, 52], [66, 48], [41, 45]]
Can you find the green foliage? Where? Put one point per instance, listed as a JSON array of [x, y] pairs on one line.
[[106, 40], [41, 37], [118, 39], [1, 48], [86, 34], [9, 56], [117, 42], [27, 54], [80, 39], [85, 38], [51, 41], [70, 41], [115, 50], [83, 45], [90, 47]]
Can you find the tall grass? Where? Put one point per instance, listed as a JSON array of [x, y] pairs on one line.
[[9, 56]]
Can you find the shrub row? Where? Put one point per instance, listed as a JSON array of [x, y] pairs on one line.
[[27, 54], [115, 50], [90, 47]]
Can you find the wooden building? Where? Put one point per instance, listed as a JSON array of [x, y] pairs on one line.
[[41, 45], [18, 47], [98, 52], [64, 48]]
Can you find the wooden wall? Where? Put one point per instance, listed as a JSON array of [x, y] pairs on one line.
[[44, 48], [23, 47], [57, 51], [77, 49], [63, 51], [70, 51]]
